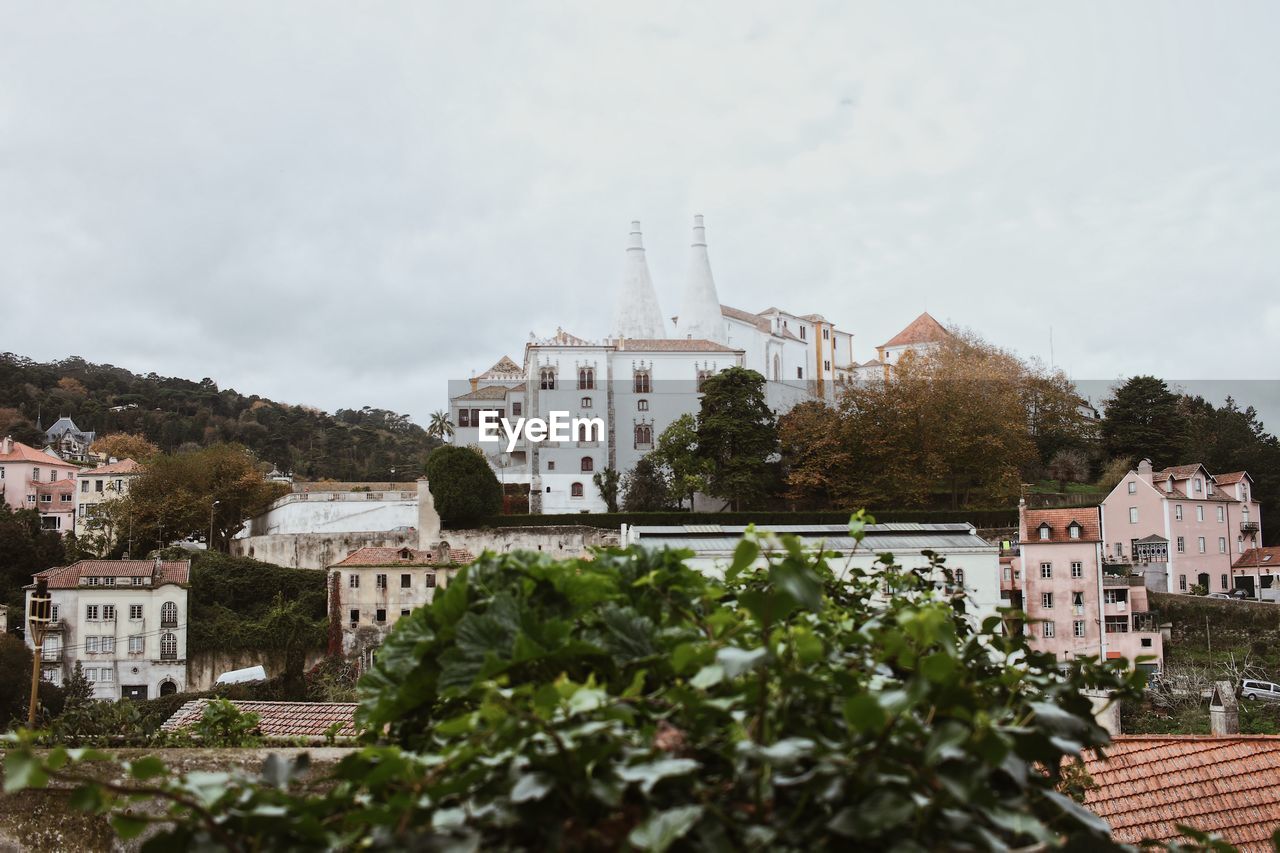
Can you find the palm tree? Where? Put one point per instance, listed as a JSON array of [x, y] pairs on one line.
[[440, 427]]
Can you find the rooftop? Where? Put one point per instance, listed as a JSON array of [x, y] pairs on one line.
[[922, 330], [406, 557], [833, 537], [160, 571], [1059, 520], [26, 453], [278, 719], [1264, 557], [1227, 784], [123, 466]]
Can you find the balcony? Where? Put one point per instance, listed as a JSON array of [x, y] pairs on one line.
[[1248, 527], [1145, 622], [51, 655], [1122, 580]]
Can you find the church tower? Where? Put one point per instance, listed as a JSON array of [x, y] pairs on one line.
[[700, 316], [637, 314]]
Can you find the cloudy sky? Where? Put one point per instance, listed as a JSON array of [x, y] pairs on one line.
[[350, 204]]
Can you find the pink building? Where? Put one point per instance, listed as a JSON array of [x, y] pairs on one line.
[[1183, 526], [1079, 605], [33, 479]]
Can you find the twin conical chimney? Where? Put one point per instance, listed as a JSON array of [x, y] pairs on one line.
[[637, 314], [700, 315]]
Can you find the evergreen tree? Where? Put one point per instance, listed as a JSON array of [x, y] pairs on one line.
[[677, 452], [737, 435], [645, 487], [607, 484], [463, 486], [1143, 419]]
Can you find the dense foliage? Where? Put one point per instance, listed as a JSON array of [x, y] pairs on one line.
[[737, 438], [463, 486], [24, 550], [631, 701], [353, 444]]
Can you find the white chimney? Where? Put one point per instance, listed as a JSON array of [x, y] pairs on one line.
[[700, 315]]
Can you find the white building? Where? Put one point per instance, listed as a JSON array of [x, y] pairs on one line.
[[974, 561], [639, 378], [123, 621], [97, 486]]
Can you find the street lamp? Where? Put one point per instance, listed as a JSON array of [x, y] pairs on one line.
[[39, 616], [211, 506]]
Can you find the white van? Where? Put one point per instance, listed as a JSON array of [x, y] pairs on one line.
[[1268, 690]]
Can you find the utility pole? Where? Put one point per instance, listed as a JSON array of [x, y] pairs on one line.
[[38, 622], [211, 506]]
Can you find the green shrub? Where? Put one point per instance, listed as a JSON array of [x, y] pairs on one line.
[[463, 486]]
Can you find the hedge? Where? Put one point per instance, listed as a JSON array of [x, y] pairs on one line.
[[983, 518]]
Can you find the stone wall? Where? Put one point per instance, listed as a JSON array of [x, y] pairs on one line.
[[203, 668]]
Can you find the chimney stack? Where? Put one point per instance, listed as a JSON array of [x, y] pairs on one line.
[[1144, 470], [700, 315], [637, 313], [8, 445], [1224, 711]]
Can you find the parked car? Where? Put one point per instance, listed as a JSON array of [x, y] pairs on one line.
[[1218, 595], [1267, 690], [1240, 593]]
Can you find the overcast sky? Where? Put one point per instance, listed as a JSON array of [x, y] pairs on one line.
[[350, 204]]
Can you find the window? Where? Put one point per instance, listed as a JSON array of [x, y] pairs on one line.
[[1116, 624], [586, 402], [1199, 513], [1077, 627], [1077, 569], [381, 582], [588, 464], [1224, 581], [516, 409], [97, 486], [1115, 596], [1119, 549], [642, 405], [1222, 514], [1046, 600], [380, 615], [1044, 531], [547, 379], [1073, 530], [1182, 545], [802, 333], [1177, 512], [586, 378], [108, 645], [354, 616], [168, 647], [35, 478], [1239, 544], [1077, 602], [826, 334], [431, 580], [551, 464], [464, 417], [1046, 570], [135, 645], [1199, 486], [168, 615], [140, 581], [641, 382], [46, 499], [1200, 543], [1146, 642], [91, 581], [826, 365], [406, 581], [53, 613], [91, 612], [353, 581], [1008, 573], [644, 435], [1133, 488], [1182, 583], [65, 498], [404, 612], [575, 491], [799, 373], [1047, 629], [1133, 515], [108, 581], [91, 674], [1222, 544], [135, 611], [91, 645], [959, 575]]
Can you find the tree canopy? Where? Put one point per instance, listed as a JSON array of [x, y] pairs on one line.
[[737, 437], [463, 485], [1143, 420]]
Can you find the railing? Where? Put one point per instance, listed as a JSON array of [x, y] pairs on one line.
[[168, 655], [168, 623], [51, 655], [1122, 580], [1145, 622], [1248, 527]]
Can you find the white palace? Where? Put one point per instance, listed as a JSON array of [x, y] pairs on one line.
[[639, 378]]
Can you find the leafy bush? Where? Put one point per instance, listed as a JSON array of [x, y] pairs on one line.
[[630, 700], [222, 724], [236, 602], [463, 486]]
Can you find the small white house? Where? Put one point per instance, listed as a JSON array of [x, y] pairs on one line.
[[123, 621]]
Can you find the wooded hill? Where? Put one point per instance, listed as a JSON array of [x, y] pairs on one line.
[[352, 444]]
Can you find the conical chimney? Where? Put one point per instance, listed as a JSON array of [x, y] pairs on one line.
[[700, 315], [637, 314]]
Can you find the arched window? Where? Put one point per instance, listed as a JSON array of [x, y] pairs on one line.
[[547, 379], [168, 688], [575, 491], [642, 405], [169, 615], [642, 382], [168, 647], [644, 435], [588, 464], [586, 378]]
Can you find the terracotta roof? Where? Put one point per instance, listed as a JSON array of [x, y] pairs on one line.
[[1058, 521], [922, 330], [405, 557], [1230, 479], [278, 719], [485, 392], [1229, 785], [762, 323], [68, 577], [674, 345], [505, 367], [1182, 472], [26, 453], [124, 466], [1260, 557]]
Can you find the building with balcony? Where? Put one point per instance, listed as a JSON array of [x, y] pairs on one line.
[[1077, 603], [1182, 527], [123, 621], [374, 587], [39, 480]]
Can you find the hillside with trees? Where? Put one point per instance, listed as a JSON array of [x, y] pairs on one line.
[[181, 414]]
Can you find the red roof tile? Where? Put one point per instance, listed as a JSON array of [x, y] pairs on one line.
[[673, 345], [405, 557], [124, 466], [69, 577], [278, 719], [1230, 479], [1229, 785], [26, 453], [1058, 521], [1260, 557], [922, 330], [1181, 472]]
